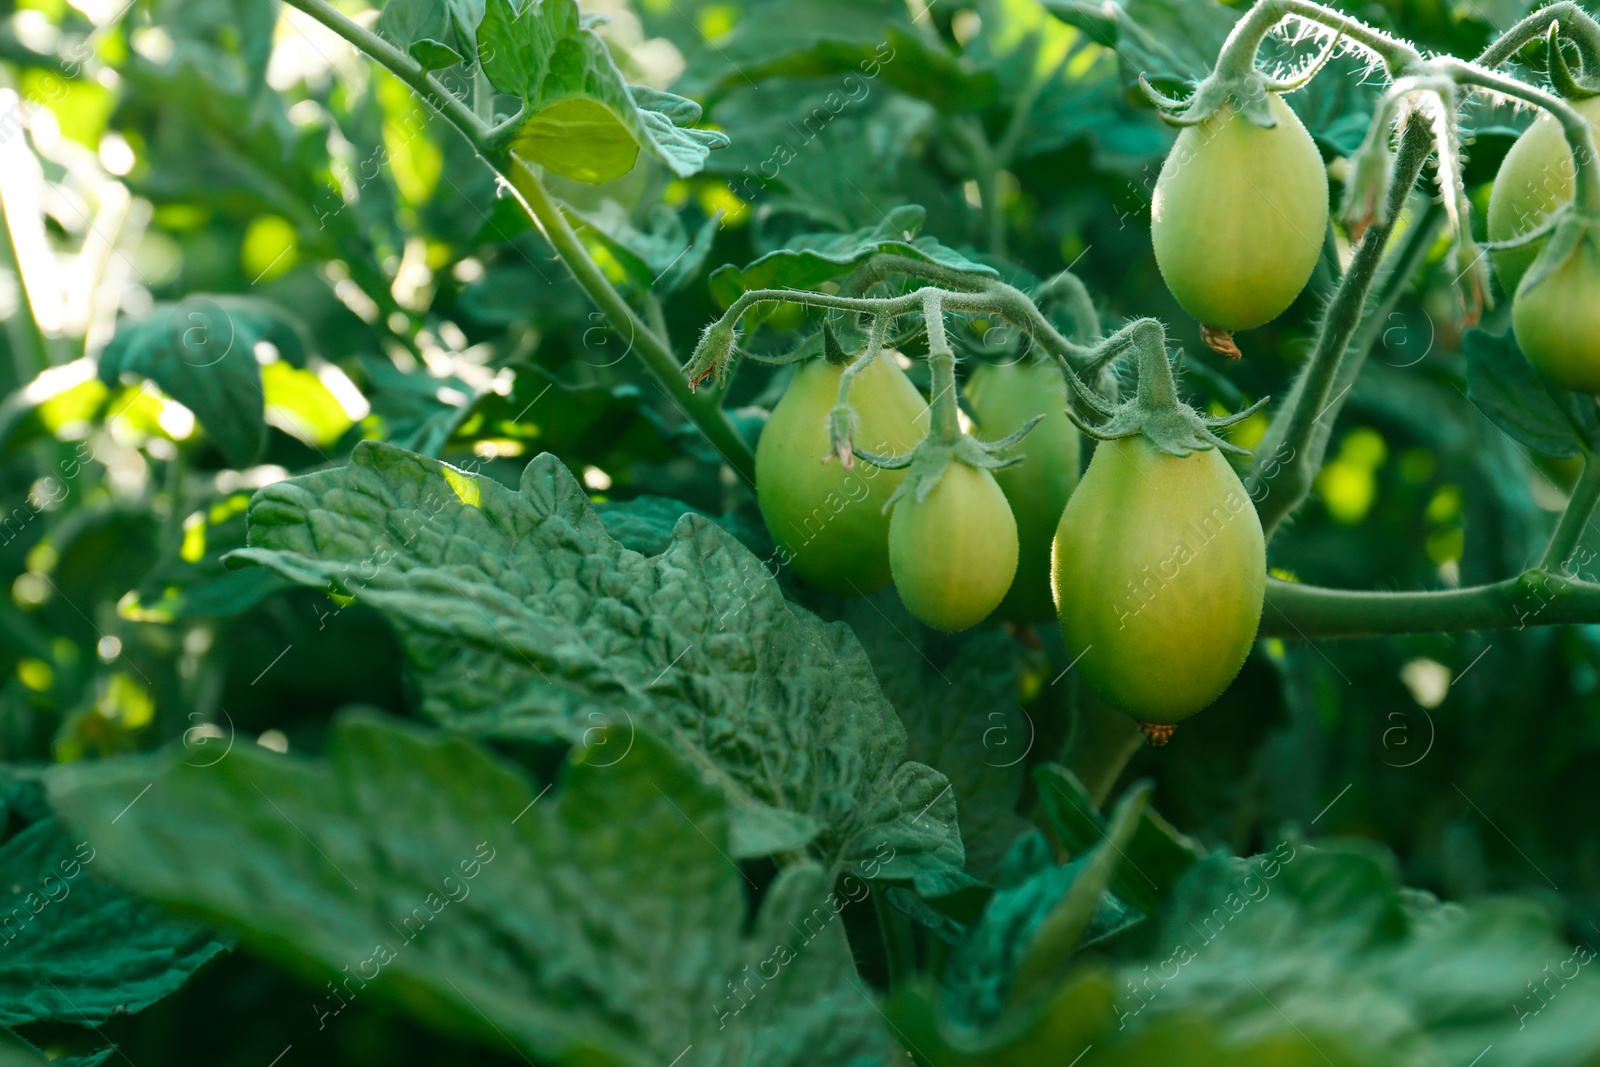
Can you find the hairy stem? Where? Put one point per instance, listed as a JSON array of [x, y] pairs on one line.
[[1285, 464], [1238, 55], [942, 366], [1576, 129], [699, 408], [1573, 19]]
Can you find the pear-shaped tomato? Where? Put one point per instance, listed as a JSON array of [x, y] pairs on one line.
[[830, 521], [1003, 398], [1160, 570], [1535, 178], [1557, 321], [1239, 217], [954, 554]]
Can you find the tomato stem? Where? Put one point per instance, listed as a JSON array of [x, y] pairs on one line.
[[1287, 461], [942, 365], [1575, 518], [1537, 597]]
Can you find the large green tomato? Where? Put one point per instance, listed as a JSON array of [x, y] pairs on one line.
[[954, 554], [830, 521], [1557, 321], [1003, 398], [1535, 178], [1239, 217], [1160, 570]]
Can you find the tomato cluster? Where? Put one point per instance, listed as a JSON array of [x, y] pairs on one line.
[[1154, 565]]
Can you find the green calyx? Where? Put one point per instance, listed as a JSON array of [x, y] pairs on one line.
[[1245, 93], [1568, 233], [926, 463], [1155, 410]]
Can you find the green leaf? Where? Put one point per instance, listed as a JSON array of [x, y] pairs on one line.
[[435, 876], [75, 949], [1157, 856], [957, 696], [1504, 386], [816, 258], [1171, 40], [664, 258], [811, 150], [582, 120], [856, 40], [423, 29], [522, 617], [1015, 954], [607, 426], [645, 524], [1318, 949], [201, 352]]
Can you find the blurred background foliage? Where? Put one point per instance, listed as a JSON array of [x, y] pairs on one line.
[[225, 184]]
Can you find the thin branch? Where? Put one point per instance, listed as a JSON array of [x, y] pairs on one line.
[[401, 66], [1575, 519], [702, 409], [1284, 469], [1537, 598]]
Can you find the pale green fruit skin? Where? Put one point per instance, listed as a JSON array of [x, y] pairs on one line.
[[1239, 217], [1557, 322], [828, 520], [1160, 569], [953, 555], [1003, 398], [1535, 178]]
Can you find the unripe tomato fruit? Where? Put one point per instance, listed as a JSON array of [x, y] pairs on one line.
[[953, 555], [1535, 178], [1239, 216], [830, 521], [1557, 321], [1160, 570], [1003, 398]]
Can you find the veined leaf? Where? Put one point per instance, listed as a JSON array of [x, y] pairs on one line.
[[74, 949], [416, 868], [524, 618]]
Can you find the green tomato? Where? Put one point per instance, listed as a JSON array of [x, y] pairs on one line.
[[1160, 569], [953, 555], [829, 521], [1557, 321], [1535, 178], [1239, 216], [1003, 398]]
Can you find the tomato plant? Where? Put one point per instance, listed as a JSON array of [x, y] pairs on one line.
[[551, 532]]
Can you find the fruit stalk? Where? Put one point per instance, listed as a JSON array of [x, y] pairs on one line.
[[942, 367], [1238, 55], [1573, 19], [1285, 462]]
